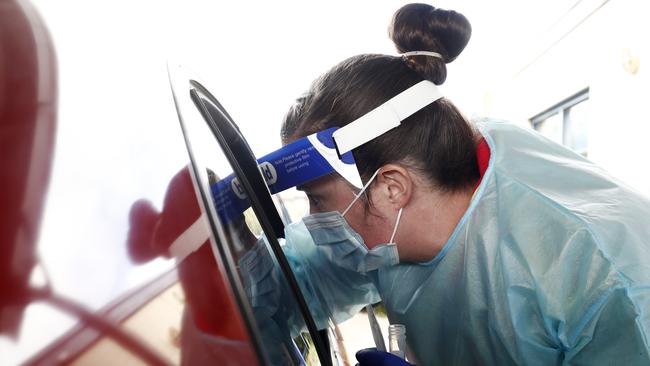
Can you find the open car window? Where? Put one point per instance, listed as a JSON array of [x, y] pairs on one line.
[[246, 226]]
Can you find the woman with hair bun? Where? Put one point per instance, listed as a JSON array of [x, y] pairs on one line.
[[491, 244]]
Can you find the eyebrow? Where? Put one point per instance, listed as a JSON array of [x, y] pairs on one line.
[[305, 187]]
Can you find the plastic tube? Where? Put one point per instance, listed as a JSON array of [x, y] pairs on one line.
[[397, 340]]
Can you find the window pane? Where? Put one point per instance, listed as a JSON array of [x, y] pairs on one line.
[[551, 127], [578, 127]]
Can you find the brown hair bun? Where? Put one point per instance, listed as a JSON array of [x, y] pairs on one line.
[[421, 27]]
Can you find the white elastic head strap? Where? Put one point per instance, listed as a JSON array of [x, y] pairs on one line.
[[385, 117], [356, 197], [399, 216], [422, 53]]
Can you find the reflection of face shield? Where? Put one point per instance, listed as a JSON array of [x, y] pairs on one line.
[[324, 152]]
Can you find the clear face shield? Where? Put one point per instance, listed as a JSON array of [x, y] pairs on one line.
[[325, 152], [295, 164]]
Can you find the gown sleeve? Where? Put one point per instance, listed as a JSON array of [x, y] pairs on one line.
[[603, 310], [613, 333]]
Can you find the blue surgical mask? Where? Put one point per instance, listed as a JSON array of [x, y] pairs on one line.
[[342, 245]]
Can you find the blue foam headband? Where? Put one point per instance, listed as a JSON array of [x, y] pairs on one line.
[[295, 164]]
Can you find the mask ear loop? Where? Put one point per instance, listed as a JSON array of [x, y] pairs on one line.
[[399, 216], [356, 197]]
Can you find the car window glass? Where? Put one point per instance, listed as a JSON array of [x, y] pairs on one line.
[[275, 317]]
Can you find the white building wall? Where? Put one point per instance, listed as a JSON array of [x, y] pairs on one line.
[[591, 54]]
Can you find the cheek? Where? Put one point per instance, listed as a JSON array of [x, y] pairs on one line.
[[376, 235], [372, 229]]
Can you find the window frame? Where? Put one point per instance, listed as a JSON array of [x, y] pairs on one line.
[[562, 109]]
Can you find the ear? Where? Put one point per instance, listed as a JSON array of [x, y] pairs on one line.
[[396, 184]]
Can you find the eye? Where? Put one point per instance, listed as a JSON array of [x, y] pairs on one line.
[[314, 200]]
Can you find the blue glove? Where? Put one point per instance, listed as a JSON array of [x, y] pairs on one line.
[[372, 357]]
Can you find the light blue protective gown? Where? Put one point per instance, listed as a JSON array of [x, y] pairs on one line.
[[549, 265]]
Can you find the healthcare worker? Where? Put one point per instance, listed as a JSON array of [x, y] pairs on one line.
[[490, 243]]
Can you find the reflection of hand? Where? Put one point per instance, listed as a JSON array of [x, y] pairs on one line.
[[373, 357], [151, 234], [142, 221]]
